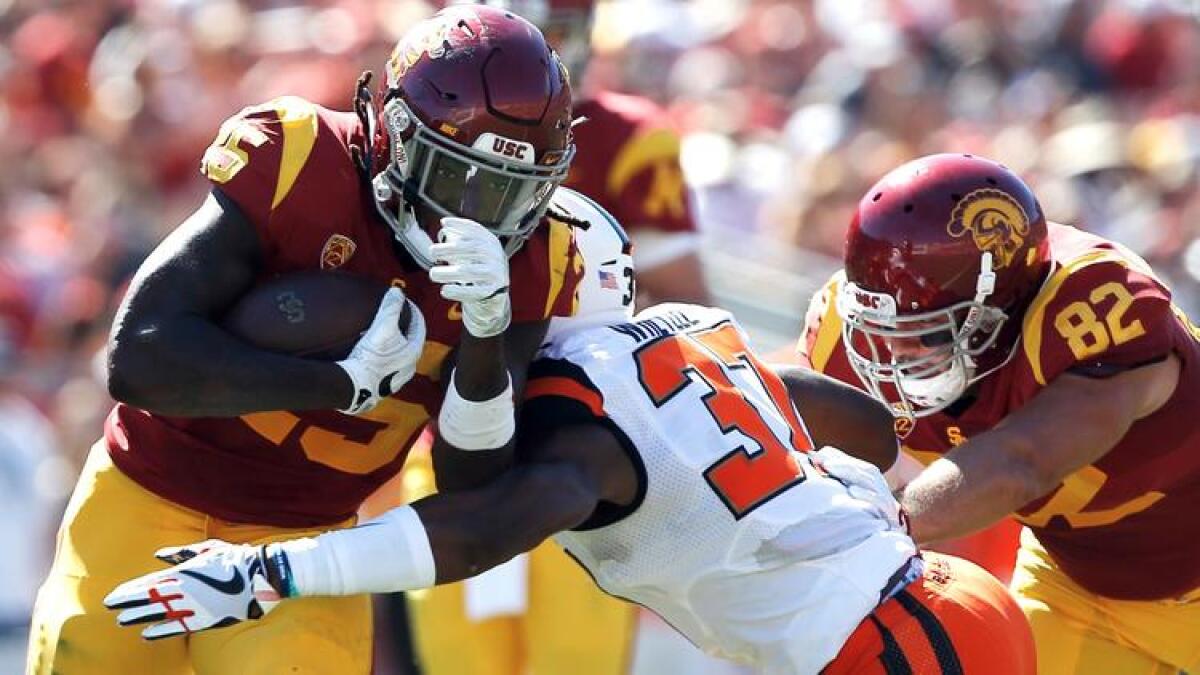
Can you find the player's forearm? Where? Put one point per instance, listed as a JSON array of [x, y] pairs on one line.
[[481, 371], [477, 422], [440, 539], [474, 443], [185, 366], [947, 501], [472, 532], [1029, 454], [842, 416]]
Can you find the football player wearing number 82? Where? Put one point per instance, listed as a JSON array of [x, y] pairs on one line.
[[1050, 371], [215, 438]]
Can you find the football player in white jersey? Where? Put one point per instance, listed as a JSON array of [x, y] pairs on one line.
[[685, 475]]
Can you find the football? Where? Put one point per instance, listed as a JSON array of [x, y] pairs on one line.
[[313, 314]]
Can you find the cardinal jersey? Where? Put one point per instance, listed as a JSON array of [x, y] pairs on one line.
[[627, 159], [288, 166], [1123, 527], [736, 538]]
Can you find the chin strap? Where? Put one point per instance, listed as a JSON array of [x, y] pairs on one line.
[[985, 285]]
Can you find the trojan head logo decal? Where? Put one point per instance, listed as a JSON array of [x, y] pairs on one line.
[[995, 220], [337, 251]]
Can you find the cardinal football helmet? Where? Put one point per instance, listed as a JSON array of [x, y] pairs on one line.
[[567, 25], [941, 254], [473, 120]]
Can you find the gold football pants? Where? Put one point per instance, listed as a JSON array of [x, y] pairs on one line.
[[109, 533], [1081, 633]]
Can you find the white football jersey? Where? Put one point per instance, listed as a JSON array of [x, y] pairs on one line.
[[740, 542]]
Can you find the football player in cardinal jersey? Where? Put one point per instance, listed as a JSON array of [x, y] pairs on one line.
[[438, 185], [1039, 370], [627, 160], [683, 473]]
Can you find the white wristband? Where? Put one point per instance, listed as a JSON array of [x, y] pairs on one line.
[[389, 553], [477, 425]]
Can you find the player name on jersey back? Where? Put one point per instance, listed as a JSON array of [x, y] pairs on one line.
[[669, 323]]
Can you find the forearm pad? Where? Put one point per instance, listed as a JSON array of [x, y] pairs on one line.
[[477, 425], [389, 553]]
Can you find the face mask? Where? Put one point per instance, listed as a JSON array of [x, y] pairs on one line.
[[938, 390]]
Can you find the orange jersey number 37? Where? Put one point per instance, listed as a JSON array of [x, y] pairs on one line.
[[745, 478]]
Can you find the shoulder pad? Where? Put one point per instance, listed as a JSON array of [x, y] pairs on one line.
[[1102, 307], [545, 273], [258, 153], [821, 334]]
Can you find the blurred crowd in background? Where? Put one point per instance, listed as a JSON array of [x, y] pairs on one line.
[[789, 109]]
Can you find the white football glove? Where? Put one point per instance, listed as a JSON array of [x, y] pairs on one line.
[[211, 585], [863, 480], [385, 358], [473, 269]]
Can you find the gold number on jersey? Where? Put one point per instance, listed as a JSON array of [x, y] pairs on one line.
[[224, 158], [360, 444], [1084, 334], [1076, 492], [360, 447], [1083, 330], [1120, 333]]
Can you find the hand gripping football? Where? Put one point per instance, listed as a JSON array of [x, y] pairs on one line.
[[314, 314]]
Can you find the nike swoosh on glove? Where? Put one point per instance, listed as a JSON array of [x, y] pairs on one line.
[[385, 358], [210, 585]]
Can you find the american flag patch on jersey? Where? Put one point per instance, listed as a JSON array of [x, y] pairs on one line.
[[608, 280]]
